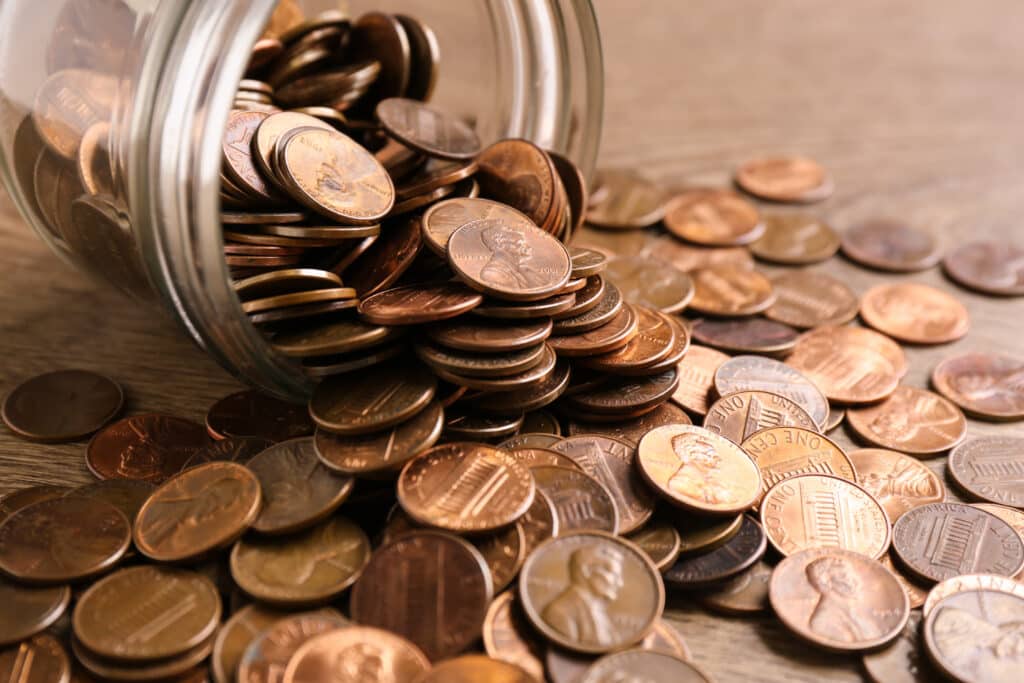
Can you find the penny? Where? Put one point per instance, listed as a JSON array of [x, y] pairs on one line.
[[745, 593], [713, 218], [28, 610], [504, 310], [989, 267], [942, 540], [540, 422], [846, 371], [912, 421], [653, 341], [262, 218], [633, 429], [966, 635], [985, 384], [696, 373], [416, 304], [989, 469], [483, 336], [270, 130], [795, 239], [903, 660], [19, 499], [427, 130], [835, 418], [373, 399], [622, 199], [465, 488], [356, 652], [433, 174], [426, 54], [429, 587], [581, 502], [331, 233], [823, 511], [784, 452], [201, 509], [968, 583], [603, 337], [838, 599], [65, 405], [144, 447], [236, 635], [660, 541], [576, 190], [469, 426], [784, 179], [700, 534], [520, 174], [252, 413], [564, 666], [746, 373], [444, 218], [591, 592], [539, 457], [728, 290], [239, 158], [68, 103], [916, 593], [890, 245], [699, 470], [387, 259], [745, 335], [623, 398], [469, 668], [298, 298], [124, 494], [900, 483], [1012, 516], [146, 613], [470, 364], [807, 299], [267, 656], [736, 555], [285, 281], [240, 449], [332, 337], [587, 262], [304, 569], [530, 440], [539, 523], [651, 282], [504, 552], [542, 366], [739, 415], [508, 636], [914, 313], [529, 397], [41, 659]]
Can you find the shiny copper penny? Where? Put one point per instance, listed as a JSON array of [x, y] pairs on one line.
[[201, 509], [62, 540], [539, 457], [727, 290], [990, 469], [850, 336], [746, 373], [508, 636], [914, 313], [783, 452], [267, 656], [528, 397], [429, 587], [373, 399], [356, 653], [581, 502], [41, 659], [890, 245], [660, 541], [68, 103], [739, 415], [942, 540], [904, 659], [28, 610], [539, 523], [465, 487], [623, 398], [745, 335], [846, 372], [252, 413], [655, 338], [966, 634], [795, 239], [970, 582], [415, 304], [722, 563], [631, 430], [146, 613], [388, 258], [504, 310], [622, 199], [989, 267], [915, 590], [587, 262], [651, 282], [784, 179], [745, 593], [900, 483], [463, 425], [239, 162], [298, 298], [806, 299], [427, 130], [520, 174], [62, 406], [485, 365], [591, 592], [713, 218], [699, 470], [823, 511], [270, 130], [838, 599], [685, 257], [235, 635], [985, 384], [606, 337], [468, 668], [144, 447], [696, 373], [483, 336], [444, 218], [912, 421]]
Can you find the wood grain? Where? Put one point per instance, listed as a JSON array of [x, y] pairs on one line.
[[916, 109]]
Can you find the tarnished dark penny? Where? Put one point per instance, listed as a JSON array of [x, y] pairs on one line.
[[713, 218], [19, 499], [745, 335], [472, 364], [235, 635], [727, 290], [463, 425], [147, 613], [428, 130], [903, 660], [387, 258], [788, 451], [416, 304], [251, 413], [28, 610], [308, 568], [41, 659], [623, 398], [62, 406], [633, 429], [806, 299], [444, 218], [380, 36], [739, 415], [754, 373], [795, 239], [361, 650], [373, 399], [990, 267], [508, 636], [914, 313], [580, 501], [660, 541], [970, 582], [890, 245], [838, 600], [990, 468], [425, 56], [429, 587], [267, 656], [967, 635], [483, 336], [625, 200], [900, 483], [941, 540], [651, 282], [240, 449], [466, 488], [985, 384], [911, 420], [521, 175], [846, 371], [696, 373], [784, 179], [202, 509], [745, 593], [655, 338], [824, 511], [701, 533], [332, 337], [738, 554], [126, 495]]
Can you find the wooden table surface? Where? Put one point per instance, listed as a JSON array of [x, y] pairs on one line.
[[917, 108]]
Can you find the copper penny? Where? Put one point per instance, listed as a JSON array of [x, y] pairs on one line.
[[655, 338], [125, 494], [485, 365], [900, 483], [650, 665], [795, 239], [145, 447], [444, 218], [806, 299], [240, 449], [622, 199], [201, 509], [239, 158], [623, 398], [237, 633], [504, 552], [468, 668], [784, 179], [181, 669], [68, 103], [660, 541], [483, 336], [736, 555], [146, 613], [848, 335], [529, 397], [465, 488], [990, 267], [581, 502], [373, 399], [838, 599], [331, 337], [727, 290], [701, 534], [297, 298], [1013, 517], [696, 373], [62, 406], [823, 511], [916, 592], [267, 656], [941, 540], [539, 523], [912, 421], [745, 593], [540, 422], [587, 262], [427, 130], [591, 592], [29, 610], [990, 468], [543, 364], [285, 281], [914, 313], [903, 660], [521, 175], [651, 282], [387, 259], [564, 666], [699, 470], [633, 429], [784, 452], [416, 304], [425, 56], [745, 335], [530, 440], [41, 659], [607, 335], [429, 587], [270, 130], [434, 174], [984, 384], [967, 634], [890, 245], [739, 415], [252, 413], [747, 373], [463, 425], [532, 456], [356, 653], [713, 218], [576, 190], [508, 636], [551, 306], [19, 499], [846, 372], [686, 257], [967, 583]]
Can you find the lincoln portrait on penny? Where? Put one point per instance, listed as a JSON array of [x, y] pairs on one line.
[[696, 475], [839, 615], [509, 254], [583, 611]]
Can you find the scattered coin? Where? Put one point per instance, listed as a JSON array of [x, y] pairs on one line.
[[903, 660], [745, 335], [624, 200], [580, 501], [807, 299], [22, 498], [736, 555], [784, 179], [916, 591], [914, 313], [784, 452], [958, 626], [890, 245], [651, 282], [40, 659], [745, 593], [988, 267], [149, 448], [754, 373], [267, 656], [657, 667], [970, 582], [713, 218], [912, 421], [65, 405], [235, 636], [739, 415], [846, 372], [900, 483], [373, 399], [988, 468], [696, 373], [985, 384], [632, 429], [795, 239], [728, 290], [28, 610]]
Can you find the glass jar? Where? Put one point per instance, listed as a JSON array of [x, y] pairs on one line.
[[132, 98]]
